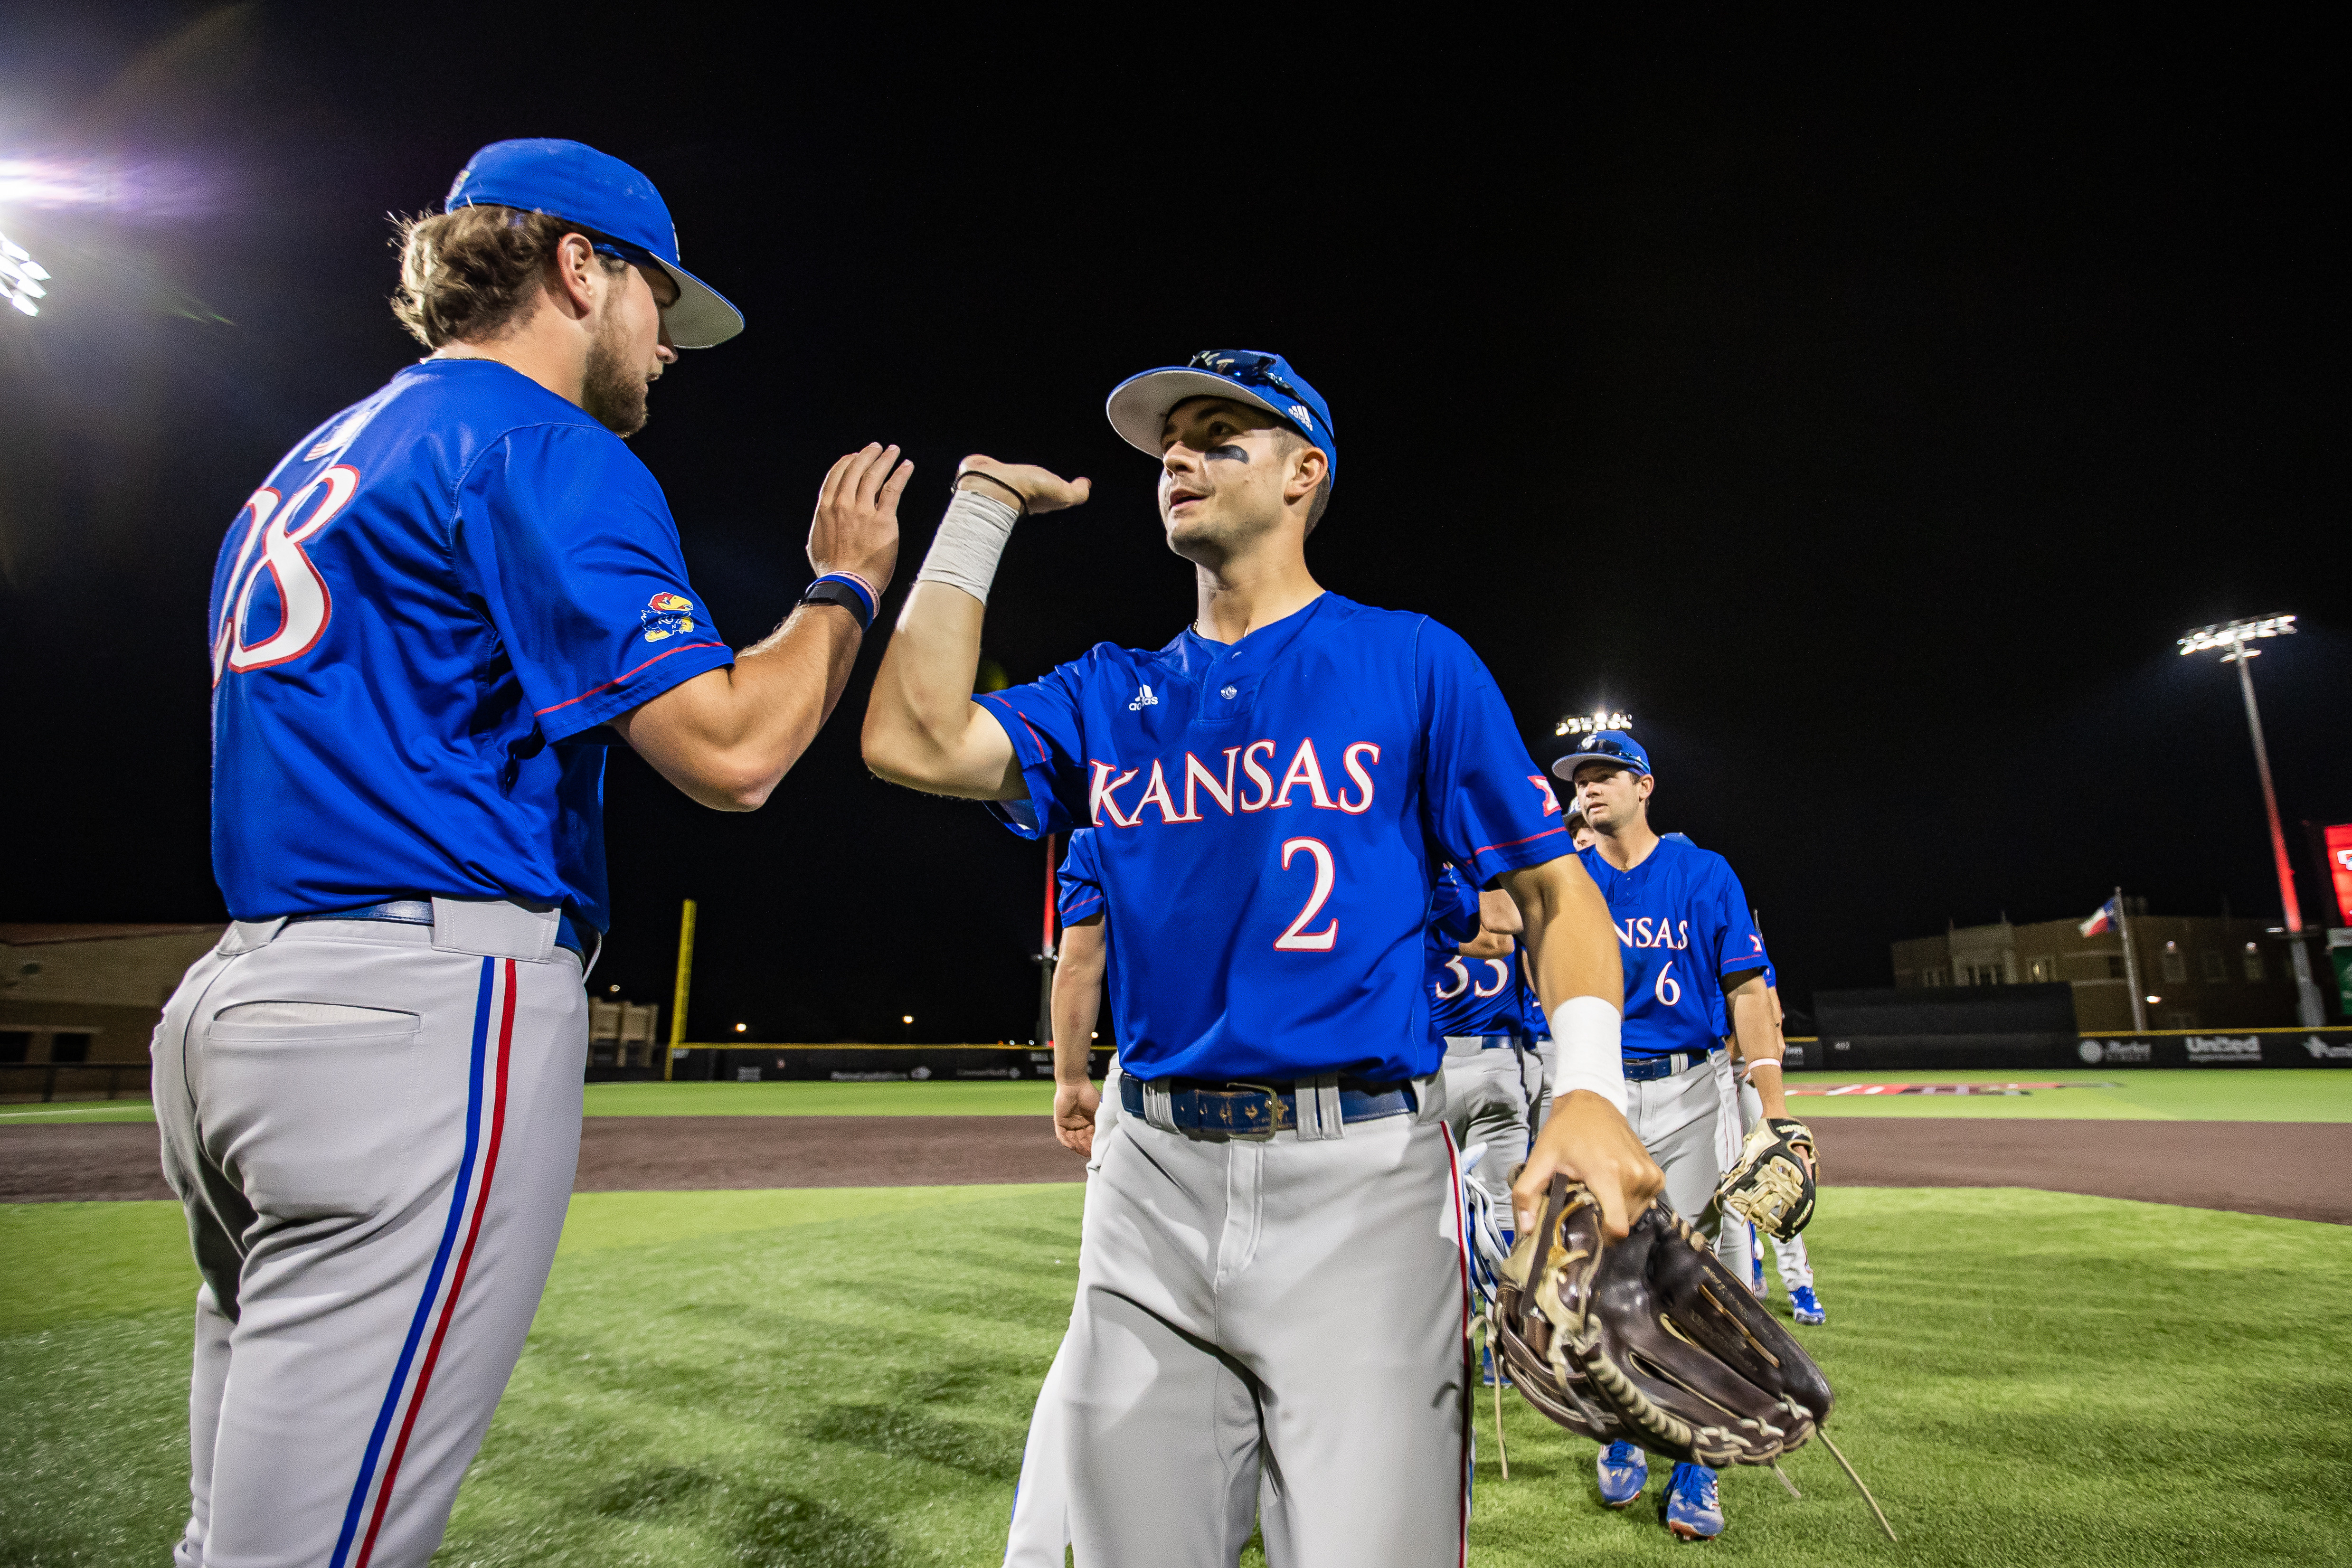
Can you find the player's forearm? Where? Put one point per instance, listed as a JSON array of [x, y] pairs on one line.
[[1759, 1043], [922, 728], [1073, 1036], [1498, 912], [1077, 1004], [728, 737], [1579, 979]]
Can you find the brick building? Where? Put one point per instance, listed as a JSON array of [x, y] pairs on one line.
[[75, 994], [2199, 972]]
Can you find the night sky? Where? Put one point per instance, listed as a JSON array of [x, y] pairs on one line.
[[1867, 412]]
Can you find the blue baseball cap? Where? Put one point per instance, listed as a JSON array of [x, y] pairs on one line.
[[1140, 405], [576, 182], [1616, 747]]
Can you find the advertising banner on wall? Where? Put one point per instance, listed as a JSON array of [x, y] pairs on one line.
[[2339, 868]]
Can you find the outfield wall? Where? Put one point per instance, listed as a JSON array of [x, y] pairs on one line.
[[863, 1063], [2328, 1048]]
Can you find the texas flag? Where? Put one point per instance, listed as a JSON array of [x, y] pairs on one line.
[[2101, 919]]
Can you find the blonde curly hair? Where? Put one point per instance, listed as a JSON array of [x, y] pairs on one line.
[[465, 275]]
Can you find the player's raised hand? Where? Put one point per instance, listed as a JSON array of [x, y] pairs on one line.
[[1041, 488], [856, 524], [1587, 1139]]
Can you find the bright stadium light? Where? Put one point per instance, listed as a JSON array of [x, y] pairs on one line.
[[21, 277], [2234, 636], [1582, 724]]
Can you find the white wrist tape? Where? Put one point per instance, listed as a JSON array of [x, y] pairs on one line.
[[970, 538], [1587, 1032]]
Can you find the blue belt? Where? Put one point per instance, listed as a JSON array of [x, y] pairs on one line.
[[1502, 1042], [419, 912], [1641, 1069], [1261, 1109]]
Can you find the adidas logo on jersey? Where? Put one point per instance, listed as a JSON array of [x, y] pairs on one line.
[[1143, 698]]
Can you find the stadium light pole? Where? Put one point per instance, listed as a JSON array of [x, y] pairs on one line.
[[2234, 636]]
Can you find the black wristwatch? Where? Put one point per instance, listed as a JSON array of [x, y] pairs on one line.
[[825, 591]]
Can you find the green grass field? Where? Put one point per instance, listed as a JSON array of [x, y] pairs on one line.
[[843, 1377], [2277, 1094]]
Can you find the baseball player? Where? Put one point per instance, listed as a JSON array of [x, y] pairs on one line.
[[1083, 1117], [1274, 1223], [428, 626], [1479, 1007], [1796, 1264], [1683, 928]]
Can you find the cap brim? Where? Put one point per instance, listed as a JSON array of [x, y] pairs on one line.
[[701, 317], [1564, 768], [1140, 405]]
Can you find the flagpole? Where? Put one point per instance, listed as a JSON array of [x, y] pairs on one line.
[[2131, 967]]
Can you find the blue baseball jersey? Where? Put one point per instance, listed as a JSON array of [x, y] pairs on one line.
[[1078, 887], [1268, 816], [418, 623], [1682, 925], [1473, 996]]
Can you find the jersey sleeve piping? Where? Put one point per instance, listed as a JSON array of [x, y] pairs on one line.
[[1531, 838], [599, 703], [1032, 817]]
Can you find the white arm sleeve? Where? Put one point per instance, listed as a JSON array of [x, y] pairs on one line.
[[972, 536], [1591, 1055]]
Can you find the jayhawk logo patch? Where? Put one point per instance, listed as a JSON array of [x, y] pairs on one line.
[[667, 615]]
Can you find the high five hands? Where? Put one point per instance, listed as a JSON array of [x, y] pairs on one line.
[[1040, 489]]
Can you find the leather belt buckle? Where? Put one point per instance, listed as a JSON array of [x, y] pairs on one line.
[[1260, 1107]]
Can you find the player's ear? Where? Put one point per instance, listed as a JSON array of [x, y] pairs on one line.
[[575, 263], [1307, 465]]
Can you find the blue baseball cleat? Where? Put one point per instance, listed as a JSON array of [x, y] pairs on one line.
[[1806, 1307], [1623, 1470], [1756, 1258], [1693, 1512], [1487, 1369]]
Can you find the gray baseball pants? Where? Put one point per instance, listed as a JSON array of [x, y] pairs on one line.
[[1039, 1536], [1690, 1125], [1490, 1094], [373, 1128], [1274, 1329]]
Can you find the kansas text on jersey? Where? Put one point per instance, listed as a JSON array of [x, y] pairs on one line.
[[1682, 924]]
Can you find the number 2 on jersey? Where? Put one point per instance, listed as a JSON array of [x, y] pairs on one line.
[[1297, 938]]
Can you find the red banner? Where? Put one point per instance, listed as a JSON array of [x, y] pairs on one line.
[[2339, 868]]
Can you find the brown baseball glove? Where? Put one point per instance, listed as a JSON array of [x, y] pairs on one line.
[[1772, 1185], [1650, 1341]]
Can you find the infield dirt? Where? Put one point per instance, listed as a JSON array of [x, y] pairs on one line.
[[2292, 1170]]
